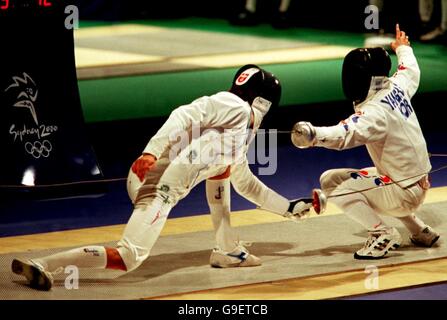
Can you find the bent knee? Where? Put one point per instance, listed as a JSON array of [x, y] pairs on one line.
[[133, 256], [331, 179]]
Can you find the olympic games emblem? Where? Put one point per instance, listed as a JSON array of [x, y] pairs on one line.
[[28, 94], [34, 137], [39, 149]]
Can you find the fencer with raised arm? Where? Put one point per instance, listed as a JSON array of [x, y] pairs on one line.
[[386, 123]]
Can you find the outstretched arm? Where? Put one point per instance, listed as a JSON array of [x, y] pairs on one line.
[[359, 129], [250, 187]]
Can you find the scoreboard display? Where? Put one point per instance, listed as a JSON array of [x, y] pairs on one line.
[[29, 6], [11, 4], [42, 132]]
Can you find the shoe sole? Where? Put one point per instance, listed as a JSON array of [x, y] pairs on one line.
[[222, 266], [37, 279], [390, 248], [233, 265], [240, 264]]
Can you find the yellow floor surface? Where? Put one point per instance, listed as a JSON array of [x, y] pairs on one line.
[[316, 287]]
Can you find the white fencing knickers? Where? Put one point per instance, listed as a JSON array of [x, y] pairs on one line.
[[385, 197]]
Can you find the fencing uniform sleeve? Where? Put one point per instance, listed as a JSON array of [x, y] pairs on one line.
[[250, 187], [361, 128], [181, 119], [224, 111], [408, 73]]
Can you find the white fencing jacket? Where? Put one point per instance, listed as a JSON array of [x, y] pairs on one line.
[[387, 124], [221, 124]]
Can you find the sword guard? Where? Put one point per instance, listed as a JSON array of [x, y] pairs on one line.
[[319, 201]]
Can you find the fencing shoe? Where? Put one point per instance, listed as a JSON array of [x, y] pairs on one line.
[[379, 243], [36, 275], [426, 238], [239, 257]]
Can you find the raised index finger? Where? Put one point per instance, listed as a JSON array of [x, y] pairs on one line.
[[397, 31]]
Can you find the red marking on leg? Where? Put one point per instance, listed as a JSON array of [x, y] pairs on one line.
[[114, 260], [363, 172], [218, 196], [157, 216], [224, 175], [386, 179], [378, 225]]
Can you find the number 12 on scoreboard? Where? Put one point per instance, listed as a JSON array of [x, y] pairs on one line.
[[44, 3], [4, 4]]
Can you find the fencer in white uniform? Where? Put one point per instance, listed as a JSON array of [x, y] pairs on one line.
[[386, 123], [205, 140], [224, 124]]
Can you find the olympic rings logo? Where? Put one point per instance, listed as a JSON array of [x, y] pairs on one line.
[[39, 149]]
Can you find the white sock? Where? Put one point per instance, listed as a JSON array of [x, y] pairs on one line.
[[357, 208], [219, 200], [444, 15], [413, 223], [284, 6], [425, 10], [85, 257], [250, 6]]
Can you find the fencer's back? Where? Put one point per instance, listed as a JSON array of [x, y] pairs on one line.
[[403, 151]]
